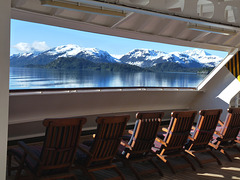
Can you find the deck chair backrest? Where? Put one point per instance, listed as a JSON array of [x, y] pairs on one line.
[[179, 130], [61, 142], [231, 125], [145, 132], [108, 137], [206, 126]]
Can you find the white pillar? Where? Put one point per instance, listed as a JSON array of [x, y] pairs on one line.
[[5, 8], [218, 92]]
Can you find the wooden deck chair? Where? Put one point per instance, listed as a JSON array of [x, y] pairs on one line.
[[175, 139], [139, 146], [54, 158], [100, 153], [226, 136], [203, 133]]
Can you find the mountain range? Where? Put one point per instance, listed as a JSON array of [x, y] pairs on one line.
[[59, 56]]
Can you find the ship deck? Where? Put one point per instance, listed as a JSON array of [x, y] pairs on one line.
[[228, 170]]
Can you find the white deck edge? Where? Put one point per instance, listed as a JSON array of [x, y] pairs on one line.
[[46, 92]]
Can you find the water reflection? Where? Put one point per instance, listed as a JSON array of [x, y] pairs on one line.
[[36, 78]]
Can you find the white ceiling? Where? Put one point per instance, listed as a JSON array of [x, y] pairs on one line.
[[164, 21]]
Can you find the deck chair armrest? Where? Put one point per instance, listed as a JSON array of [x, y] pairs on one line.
[[26, 150], [237, 141], [125, 144], [212, 145], [130, 132], [190, 138], [218, 133], [161, 141], [82, 148], [164, 129], [220, 122]]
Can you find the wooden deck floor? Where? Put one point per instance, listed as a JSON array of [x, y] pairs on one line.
[[228, 170]]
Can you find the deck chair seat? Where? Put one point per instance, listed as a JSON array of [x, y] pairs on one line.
[[161, 135], [218, 128], [215, 137], [172, 145], [226, 135], [129, 138], [126, 137], [159, 147], [54, 158], [88, 143], [123, 150], [82, 157], [19, 154], [199, 141], [136, 147]]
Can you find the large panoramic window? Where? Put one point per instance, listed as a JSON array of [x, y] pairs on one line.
[[48, 57]]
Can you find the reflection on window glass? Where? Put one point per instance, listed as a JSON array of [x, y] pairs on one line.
[[45, 57]]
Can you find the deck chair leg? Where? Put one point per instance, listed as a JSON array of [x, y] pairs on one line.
[[156, 166], [167, 162], [9, 164], [226, 154], [70, 175], [191, 164], [19, 171], [132, 169], [67, 176], [171, 167], [18, 174], [215, 157], [195, 157], [88, 174], [91, 176], [21, 166], [119, 173], [237, 148], [74, 177]]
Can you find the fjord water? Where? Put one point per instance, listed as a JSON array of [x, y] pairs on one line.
[[38, 78]]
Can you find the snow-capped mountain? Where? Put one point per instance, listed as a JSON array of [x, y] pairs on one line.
[[92, 54], [143, 57], [191, 58], [204, 57], [43, 58], [140, 57]]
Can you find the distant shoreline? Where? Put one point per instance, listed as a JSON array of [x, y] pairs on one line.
[[168, 72]]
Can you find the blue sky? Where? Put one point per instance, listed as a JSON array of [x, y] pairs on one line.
[[27, 36]]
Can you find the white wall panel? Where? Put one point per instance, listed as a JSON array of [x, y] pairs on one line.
[[33, 108], [218, 92], [4, 81]]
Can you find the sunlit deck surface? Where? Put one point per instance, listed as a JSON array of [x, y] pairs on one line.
[[228, 170]]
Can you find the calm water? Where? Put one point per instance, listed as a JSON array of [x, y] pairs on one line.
[[35, 78]]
